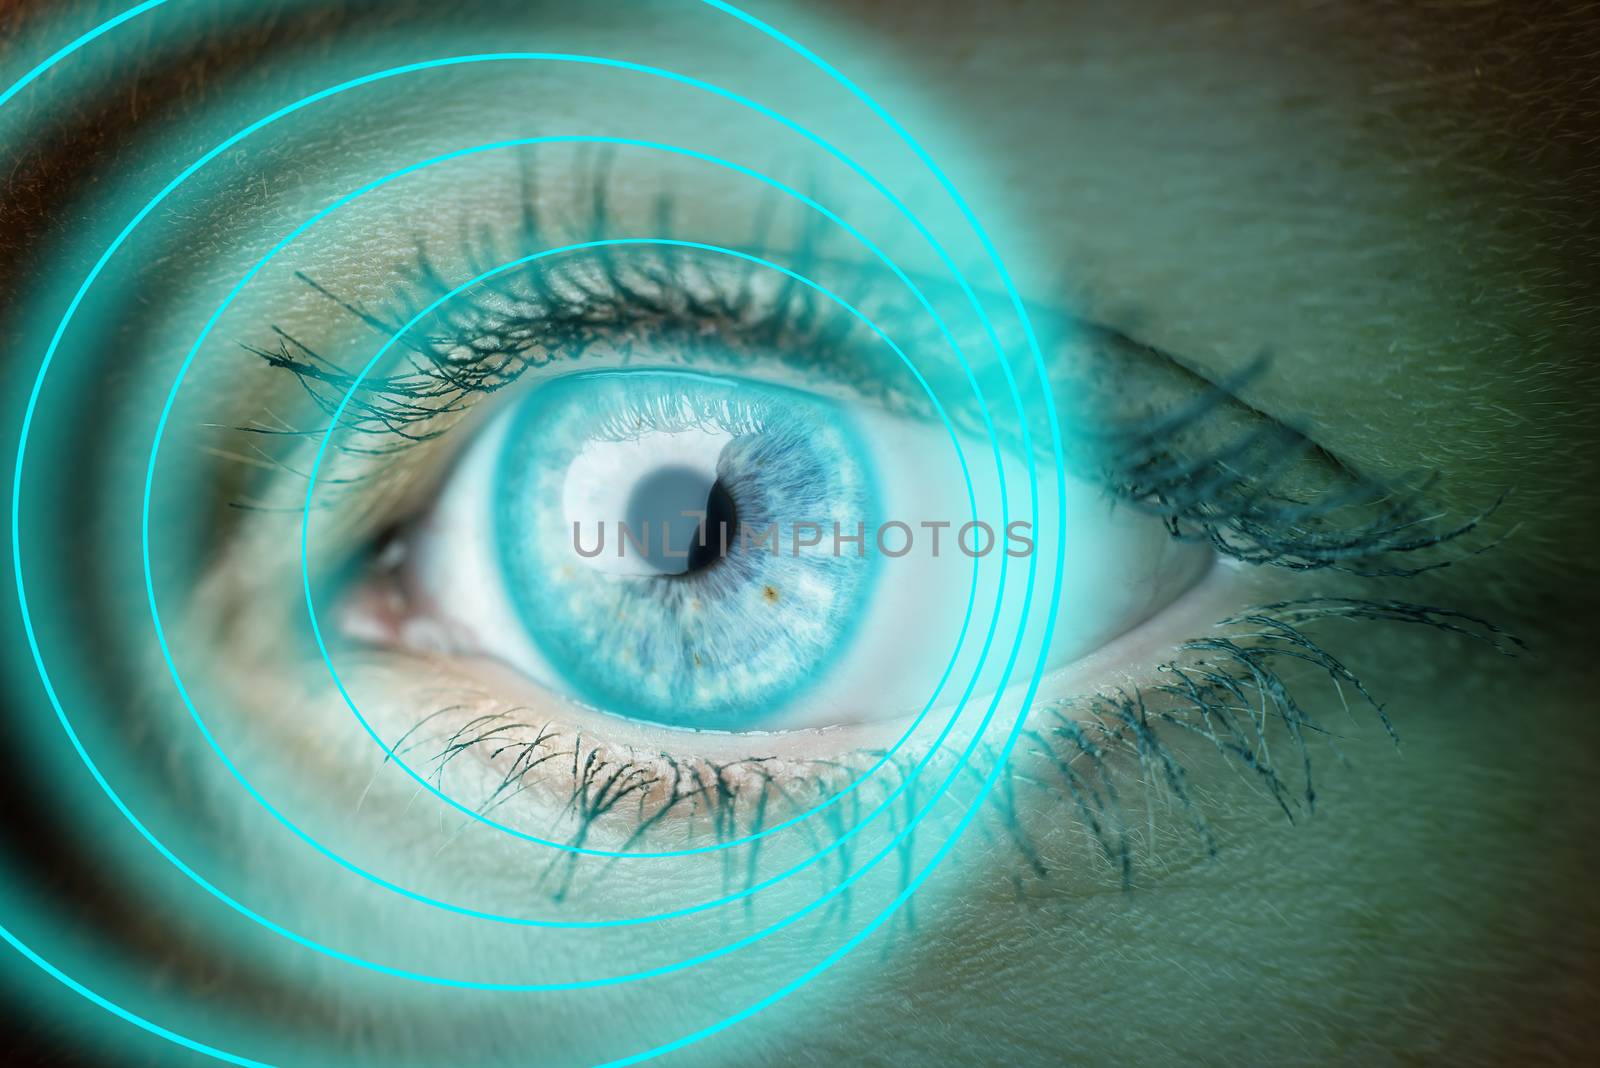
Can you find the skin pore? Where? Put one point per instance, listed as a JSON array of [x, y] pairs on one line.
[[1392, 202]]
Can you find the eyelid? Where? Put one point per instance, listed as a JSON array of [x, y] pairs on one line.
[[1131, 676], [790, 336], [1079, 726], [1147, 385], [468, 335], [492, 714], [1139, 423]]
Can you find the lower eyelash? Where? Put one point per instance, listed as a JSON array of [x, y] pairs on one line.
[[1227, 689]]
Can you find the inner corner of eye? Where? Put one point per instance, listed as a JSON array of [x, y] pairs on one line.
[[718, 553]]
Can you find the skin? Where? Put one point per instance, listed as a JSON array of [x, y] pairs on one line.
[[1393, 203]]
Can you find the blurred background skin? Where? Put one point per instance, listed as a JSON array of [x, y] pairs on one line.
[[1395, 200]]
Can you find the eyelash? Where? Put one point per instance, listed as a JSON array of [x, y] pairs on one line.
[[1233, 497], [1246, 498], [1225, 689], [1358, 527]]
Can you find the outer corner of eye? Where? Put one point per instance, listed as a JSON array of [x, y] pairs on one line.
[[723, 554]]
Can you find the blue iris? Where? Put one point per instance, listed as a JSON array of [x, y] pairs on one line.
[[708, 623]]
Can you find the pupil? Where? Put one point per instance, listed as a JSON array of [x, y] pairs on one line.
[[671, 540], [720, 514]]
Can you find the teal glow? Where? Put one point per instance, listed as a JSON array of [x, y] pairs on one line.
[[989, 779], [840, 842], [226, 899]]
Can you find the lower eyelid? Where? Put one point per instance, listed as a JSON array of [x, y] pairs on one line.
[[1103, 743], [483, 716]]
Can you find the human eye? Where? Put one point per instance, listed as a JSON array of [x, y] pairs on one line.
[[724, 553], [783, 523], [431, 491], [577, 591]]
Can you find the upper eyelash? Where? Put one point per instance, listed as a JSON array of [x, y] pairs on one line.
[[1239, 498], [445, 370], [1230, 496], [555, 314]]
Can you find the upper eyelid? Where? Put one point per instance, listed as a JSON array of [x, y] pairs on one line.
[[1126, 393], [1136, 453], [1046, 315], [799, 326]]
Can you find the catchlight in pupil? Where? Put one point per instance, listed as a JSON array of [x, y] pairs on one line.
[[633, 497], [664, 511]]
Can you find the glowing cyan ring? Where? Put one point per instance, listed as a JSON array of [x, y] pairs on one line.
[[840, 840], [468, 984], [988, 781]]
